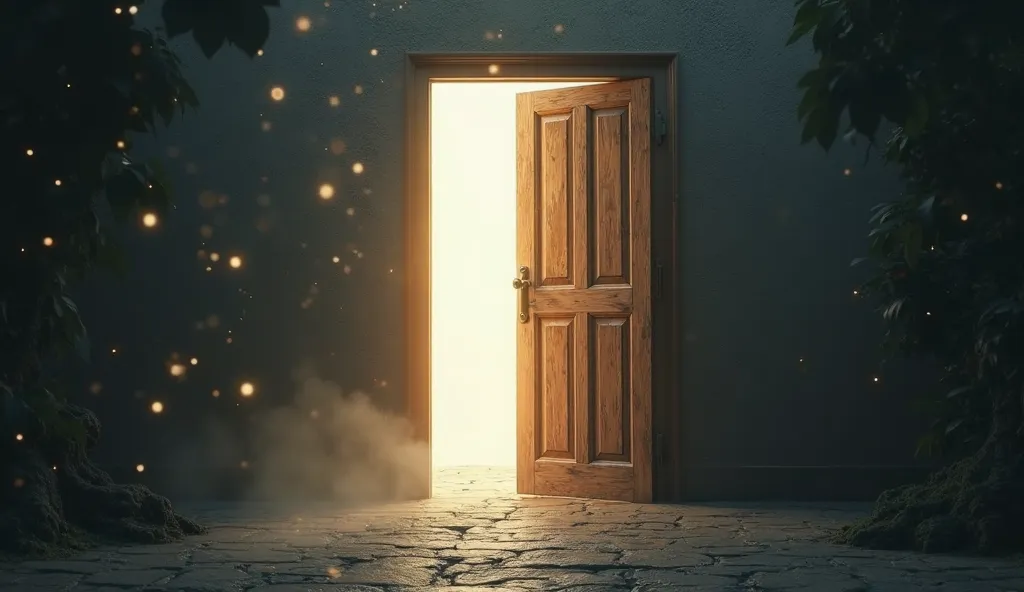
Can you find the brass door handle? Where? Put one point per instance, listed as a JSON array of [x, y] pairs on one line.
[[522, 283]]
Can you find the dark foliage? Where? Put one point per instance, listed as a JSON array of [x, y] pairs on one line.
[[943, 82], [77, 81]]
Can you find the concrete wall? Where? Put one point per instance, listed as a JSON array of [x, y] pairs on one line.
[[777, 360]]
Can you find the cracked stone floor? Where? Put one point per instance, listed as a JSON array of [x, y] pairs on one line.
[[476, 535]]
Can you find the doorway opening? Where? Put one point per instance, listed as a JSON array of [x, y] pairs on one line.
[[472, 303]]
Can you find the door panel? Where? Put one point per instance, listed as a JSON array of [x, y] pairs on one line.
[[584, 350]]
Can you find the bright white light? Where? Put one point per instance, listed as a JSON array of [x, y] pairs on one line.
[[473, 242]]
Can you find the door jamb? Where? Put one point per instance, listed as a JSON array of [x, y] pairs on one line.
[[423, 68]]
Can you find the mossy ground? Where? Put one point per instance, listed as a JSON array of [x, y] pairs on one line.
[[54, 507], [974, 505]]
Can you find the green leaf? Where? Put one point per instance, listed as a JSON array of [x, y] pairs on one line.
[[810, 129], [926, 208], [917, 117], [865, 117], [250, 27], [807, 17], [828, 125], [892, 311], [959, 391], [179, 16], [913, 237]]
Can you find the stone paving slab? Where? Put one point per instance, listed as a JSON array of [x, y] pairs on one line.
[[476, 535]]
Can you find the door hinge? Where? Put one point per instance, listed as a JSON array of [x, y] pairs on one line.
[[660, 127], [659, 280], [659, 449]]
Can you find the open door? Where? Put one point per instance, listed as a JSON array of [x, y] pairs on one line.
[[584, 251]]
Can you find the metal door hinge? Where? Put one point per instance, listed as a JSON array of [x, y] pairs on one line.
[[660, 127]]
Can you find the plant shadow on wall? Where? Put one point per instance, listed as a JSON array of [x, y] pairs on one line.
[[945, 80], [80, 79]]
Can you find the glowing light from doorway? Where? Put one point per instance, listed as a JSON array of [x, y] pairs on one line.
[[473, 211]]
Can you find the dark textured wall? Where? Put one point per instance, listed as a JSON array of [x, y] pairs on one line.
[[766, 231]]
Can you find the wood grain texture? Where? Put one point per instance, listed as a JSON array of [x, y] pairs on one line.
[[584, 360]]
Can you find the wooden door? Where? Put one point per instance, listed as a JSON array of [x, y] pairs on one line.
[[584, 338]]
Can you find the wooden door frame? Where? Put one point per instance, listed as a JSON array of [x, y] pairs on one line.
[[423, 68]]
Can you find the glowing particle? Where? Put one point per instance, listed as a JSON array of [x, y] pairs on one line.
[[347, 269], [48, 242], [963, 217], [333, 572], [215, 257], [337, 146], [266, 126], [57, 182], [140, 467], [874, 379], [493, 69], [215, 393], [95, 388], [336, 259], [303, 24], [206, 231], [133, 10], [244, 464], [259, 52], [113, 350], [235, 261], [177, 369], [358, 168], [157, 407], [149, 220], [247, 389], [19, 437], [847, 172], [999, 185], [559, 29], [334, 101], [351, 211], [194, 361], [30, 152], [277, 93], [358, 89], [326, 191], [117, 10], [19, 482], [855, 292], [120, 144], [374, 52]]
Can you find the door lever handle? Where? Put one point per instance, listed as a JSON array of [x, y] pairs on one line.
[[522, 283]]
